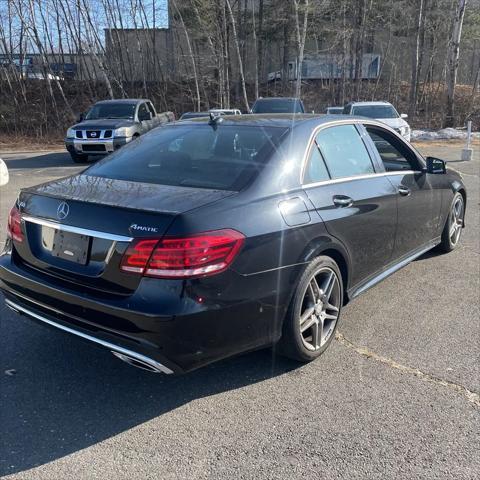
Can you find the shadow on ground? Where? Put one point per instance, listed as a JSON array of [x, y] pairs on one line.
[[67, 395], [47, 160]]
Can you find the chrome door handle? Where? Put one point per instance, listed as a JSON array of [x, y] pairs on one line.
[[405, 191], [342, 201]]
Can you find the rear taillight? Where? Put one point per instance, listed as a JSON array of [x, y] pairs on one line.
[[14, 227], [183, 257]]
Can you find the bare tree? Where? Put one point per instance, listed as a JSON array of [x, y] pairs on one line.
[[452, 60], [301, 34], [239, 56]]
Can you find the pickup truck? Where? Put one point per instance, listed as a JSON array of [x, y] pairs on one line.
[[110, 124]]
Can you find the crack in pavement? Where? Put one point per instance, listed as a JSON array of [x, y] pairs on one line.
[[366, 352]]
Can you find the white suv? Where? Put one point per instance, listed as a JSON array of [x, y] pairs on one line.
[[382, 111]]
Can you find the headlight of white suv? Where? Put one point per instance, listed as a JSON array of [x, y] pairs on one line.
[[70, 133], [404, 130], [121, 132]]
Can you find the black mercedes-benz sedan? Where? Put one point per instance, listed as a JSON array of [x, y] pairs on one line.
[[215, 236]]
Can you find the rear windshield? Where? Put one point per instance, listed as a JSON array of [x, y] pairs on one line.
[[225, 158], [111, 110], [277, 106], [375, 111]]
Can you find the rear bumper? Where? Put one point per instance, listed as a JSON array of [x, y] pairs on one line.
[[180, 325], [23, 308], [93, 146]]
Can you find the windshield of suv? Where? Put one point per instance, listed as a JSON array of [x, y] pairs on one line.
[[225, 158], [111, 110], [375, 111], [280, 105]]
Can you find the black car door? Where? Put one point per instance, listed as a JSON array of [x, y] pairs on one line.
[[419, 202], [357, 205]]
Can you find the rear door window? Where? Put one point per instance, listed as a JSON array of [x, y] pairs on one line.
[[225, 158], [344, 152]]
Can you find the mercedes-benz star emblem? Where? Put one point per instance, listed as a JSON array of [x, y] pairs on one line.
[[63, 210]]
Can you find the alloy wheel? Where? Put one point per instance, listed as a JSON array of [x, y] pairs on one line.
[[320, 308], [456, 221]]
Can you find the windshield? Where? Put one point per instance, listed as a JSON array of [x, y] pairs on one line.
[[375, 111], [225, 158], [111, 110], [277, 106]]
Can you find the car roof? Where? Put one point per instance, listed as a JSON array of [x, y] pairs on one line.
[[286, 120], [123, 100], [267, 99], [369, 103]]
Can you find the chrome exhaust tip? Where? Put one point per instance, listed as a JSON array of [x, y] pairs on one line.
[[147, 364]]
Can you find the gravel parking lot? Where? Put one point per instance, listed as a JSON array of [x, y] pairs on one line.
[[395, 396]]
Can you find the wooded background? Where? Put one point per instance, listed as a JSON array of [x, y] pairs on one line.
[[198, 54]]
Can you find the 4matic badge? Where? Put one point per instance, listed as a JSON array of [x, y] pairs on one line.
[[143, 228]]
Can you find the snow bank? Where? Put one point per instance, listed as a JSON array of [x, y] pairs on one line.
[[443, 134]]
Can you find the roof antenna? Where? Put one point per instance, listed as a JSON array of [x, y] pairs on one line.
[[215, 120]]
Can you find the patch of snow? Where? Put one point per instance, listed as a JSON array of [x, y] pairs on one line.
[[443, 134]]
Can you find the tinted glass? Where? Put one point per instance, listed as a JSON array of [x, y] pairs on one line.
[[375, 111], [395, 156], [277, 106], [111, 110], [316, 170], [193, 156], [142, 111], [344, 151], [150, 108]]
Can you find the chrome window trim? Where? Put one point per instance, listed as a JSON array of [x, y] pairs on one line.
[[348, 121], [81, 231], [111, 346], [359, 177]]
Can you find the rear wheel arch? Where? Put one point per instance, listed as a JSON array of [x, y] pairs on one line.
[[338, 254], [341, 261]]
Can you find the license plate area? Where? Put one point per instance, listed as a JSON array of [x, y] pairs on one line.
[[66, 245]]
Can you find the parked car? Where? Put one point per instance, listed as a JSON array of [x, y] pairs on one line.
[[4, 176], [382, 111], [208, 238], [334, 110], [189, 115], [225, 111], [110, 124], [278, 105]]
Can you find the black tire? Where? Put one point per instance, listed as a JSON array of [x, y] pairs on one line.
[[79, 157], [450, 241], [292, 344]]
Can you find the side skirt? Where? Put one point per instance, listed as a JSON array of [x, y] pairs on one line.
[[390, 269]]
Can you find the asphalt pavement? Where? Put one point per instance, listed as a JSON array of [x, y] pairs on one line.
[[396, 396]]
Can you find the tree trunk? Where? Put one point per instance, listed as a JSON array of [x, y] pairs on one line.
[[416, 61], [452, 61], [190, 51], [239, 56], [301, 36]]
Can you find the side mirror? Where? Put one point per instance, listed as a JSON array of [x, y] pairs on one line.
[[4, 177], [403, 115], [81, 117], [436, 165]]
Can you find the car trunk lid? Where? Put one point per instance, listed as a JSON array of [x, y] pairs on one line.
[[78, 228]]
